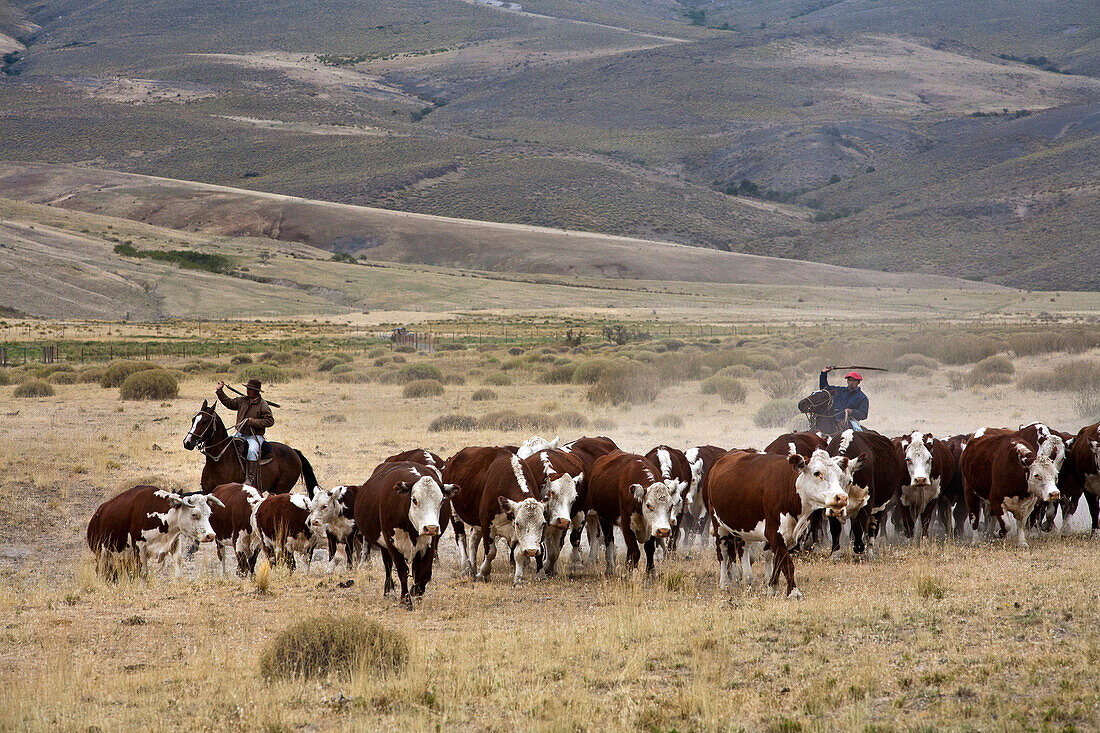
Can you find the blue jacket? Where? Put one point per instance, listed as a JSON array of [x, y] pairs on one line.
[[843, 400]]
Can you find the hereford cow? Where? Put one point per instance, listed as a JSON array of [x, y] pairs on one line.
[[498, 501], [1046, 442], [766, 498], [232, 523], [561, 481], [332, 515], [587, 450], [928, 465], [1080, 475], [875, 475], [676, 472], [282, 524], [1009, 474], [695, 520], [625, 490], [402, 509], [149, 522], [803, 443]]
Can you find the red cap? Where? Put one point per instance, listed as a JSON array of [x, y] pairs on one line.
[[854, 375]]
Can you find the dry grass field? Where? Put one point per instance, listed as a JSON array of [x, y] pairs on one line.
[[942, 637]]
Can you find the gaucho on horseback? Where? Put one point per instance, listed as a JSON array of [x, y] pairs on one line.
[[253, 418]]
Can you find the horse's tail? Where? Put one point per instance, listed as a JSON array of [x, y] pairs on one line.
[[307, 474]]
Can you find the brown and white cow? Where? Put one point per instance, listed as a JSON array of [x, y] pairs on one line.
[[282, 523], [1009, 474], [625, 489], [498, 501], [1080, 475], [588, 450], [149, 522], [951, 506], [928, 465], [676, 472], [875, 474], [402, 509], [767, 498], [803, 443], [232, 523], [332, 516], [562, 486], [1044, 441], [696, 519]]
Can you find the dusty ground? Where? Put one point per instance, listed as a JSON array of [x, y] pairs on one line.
[[944, 637]]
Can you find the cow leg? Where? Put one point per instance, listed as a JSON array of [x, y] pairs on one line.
[[608, 548], [576, 560], [402, 566], [860, 534], [387, 566], [782, 561], [836, 529], [461, 543], [552, 539], [490, 546], [592, 526], [474, 543], [422, 571], [519, 566], [333, 560], [633, 554], [723, 547], [1093, 502], [650, 545]]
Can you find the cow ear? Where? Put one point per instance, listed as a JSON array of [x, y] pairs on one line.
[[451, 489], [402, 487], [638, 491], [1069, 443], [300, 501], [1024, 454], [338, 493], [508, 506], [174, 500], [929, 440], [579, 478], [797, 460], [842, 463], [858, 462]]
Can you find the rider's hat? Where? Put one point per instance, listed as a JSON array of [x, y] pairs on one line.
[[253, 384], [850, 375]]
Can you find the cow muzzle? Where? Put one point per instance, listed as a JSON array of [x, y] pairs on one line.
[[662, 533], [531, 552], [432, 530], [837, 506], [1054, 495], [208, 537], [922, 481], [562, 523]]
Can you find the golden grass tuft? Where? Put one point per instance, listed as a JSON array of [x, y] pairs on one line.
[[322, 645], [263, 576]]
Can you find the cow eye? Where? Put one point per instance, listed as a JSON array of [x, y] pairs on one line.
[[195, 515], [817, 474], [649, 506], [415, 501]]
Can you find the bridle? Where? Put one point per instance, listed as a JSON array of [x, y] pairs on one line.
[[200, 441]]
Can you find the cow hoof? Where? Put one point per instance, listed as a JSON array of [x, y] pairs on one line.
[[794, 595], [837, 556]]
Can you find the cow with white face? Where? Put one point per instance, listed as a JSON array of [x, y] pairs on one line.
[[537, 443], [561, 481], [150, 523], [1008, 474], [928, 466], [402, 509], [767, 498], [625, 491], [332, 513], [1080, 474]]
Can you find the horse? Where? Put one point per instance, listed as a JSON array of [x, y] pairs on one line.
[[224, 465]]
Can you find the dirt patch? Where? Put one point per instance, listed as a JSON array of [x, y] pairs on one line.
[[139, 91], [308, 127]]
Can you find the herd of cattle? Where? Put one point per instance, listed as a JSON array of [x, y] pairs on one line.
[[535, 496]]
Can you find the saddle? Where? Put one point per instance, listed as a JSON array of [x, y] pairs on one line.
[[241, 446]]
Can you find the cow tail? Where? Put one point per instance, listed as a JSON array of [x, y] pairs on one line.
[[307, 474]]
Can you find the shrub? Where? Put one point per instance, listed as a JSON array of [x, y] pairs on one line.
[[604, 424], [197, 366], [405, 349], [240, 359], [451, 346], [571, 419], [414, 372], [589, 372], [62, 378], [5, 378], [350, 377], [668, 421], [382, 360], [510, 421], [341, 356], [150, 384], [498, 379], [905, 362], [761, 361], [919, 371], [775, 414], [90, 376], [327, 365], [423, 388], [266, 373], [341, 368], [454, 379], [398, 359], [787, 382], [559, 375], [740, 371], [625, 384], [452, 422], [991, 370], [727, 388], [958, 350], [376, 352], [117, 372], [54, 368], [324, 645], [33, 387], [483, 394]]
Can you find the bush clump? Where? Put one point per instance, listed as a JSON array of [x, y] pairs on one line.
[[787, 382], [571, 419], [562, 374], [33, 387], [62, 378], [452, 422], [589, 372], [775, 414], [498, 379], [150, 384], [414, 372], [480, 395], [240, 359], [328, 364], [5, 378], [740, 371], [376, 352], [405, 349], [728, 389], [117, 372], [90, 376], [451, 346], [266, 373], [510, 420], [668, 421], [324, 645], [454, 379], [625, 384], [350, 377], [996, 369], [423, 388]]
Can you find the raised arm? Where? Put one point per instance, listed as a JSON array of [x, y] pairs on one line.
[[231, 402], [823, 382]]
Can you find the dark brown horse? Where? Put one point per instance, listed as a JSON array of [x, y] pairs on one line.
[[224, 466]]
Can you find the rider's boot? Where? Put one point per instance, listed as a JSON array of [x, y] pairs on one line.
[[251, 474]]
